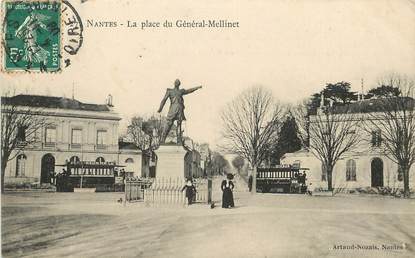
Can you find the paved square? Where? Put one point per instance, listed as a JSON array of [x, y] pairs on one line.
[[95, 225]]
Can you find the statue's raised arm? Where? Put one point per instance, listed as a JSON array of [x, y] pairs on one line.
[[187, 91]]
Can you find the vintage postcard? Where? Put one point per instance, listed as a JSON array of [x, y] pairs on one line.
[[240, 128]]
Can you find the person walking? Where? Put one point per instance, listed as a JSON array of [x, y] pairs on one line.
[[250, 183], [190, 191], [227, 188], [310, 188]]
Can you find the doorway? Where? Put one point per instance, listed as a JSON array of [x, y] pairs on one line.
[[377, 172], [47, 167]]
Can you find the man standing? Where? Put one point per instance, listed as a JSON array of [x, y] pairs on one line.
[[176, 111]]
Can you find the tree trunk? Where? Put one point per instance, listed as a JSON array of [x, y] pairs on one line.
[[329, 178], [3, 171], [406, 191], [253, 191]]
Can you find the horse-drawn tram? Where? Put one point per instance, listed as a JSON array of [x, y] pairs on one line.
[[281, 179], [100, 176]]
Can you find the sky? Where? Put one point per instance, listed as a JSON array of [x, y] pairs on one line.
[[291, 47]]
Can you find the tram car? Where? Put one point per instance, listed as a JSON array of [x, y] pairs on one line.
[[282, 179], [103, 176]]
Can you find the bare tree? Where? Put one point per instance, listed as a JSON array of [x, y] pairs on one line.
[[395, 119], [146, 133], [238, 162], [219, 163], [329, 134], [251, 123], [19, 127]]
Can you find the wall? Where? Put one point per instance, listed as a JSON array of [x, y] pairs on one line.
[[131, 167], [363, 170]]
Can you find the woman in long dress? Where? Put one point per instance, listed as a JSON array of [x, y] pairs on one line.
[[227, 188]]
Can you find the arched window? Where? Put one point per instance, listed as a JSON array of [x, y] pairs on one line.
[[74, 159], [130, 167], [100, 160], [20, 165], [351, 170]]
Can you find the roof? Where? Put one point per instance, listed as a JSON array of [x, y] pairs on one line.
[[375, 105], [52, 102]]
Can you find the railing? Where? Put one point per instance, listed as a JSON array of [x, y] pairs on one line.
[[276, 174], [91, 168], [75, 146], [49, 145], [135, 187], [165, 191], [97, 172], [202, 190], [100, 147]]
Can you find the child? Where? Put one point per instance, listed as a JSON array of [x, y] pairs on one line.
[[190, 191], [310, 188]]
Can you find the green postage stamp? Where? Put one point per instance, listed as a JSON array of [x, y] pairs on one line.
[[31, 35]]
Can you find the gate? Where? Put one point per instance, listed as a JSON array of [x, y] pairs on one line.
[[135, 187]]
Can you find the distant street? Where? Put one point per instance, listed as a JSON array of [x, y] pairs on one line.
[[267, 225]]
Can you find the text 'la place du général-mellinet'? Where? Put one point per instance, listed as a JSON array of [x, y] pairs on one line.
[[149, 24]]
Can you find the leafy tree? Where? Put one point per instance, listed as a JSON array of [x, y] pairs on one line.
[[314, 102], [288, 141], [384, 91], [338, 93]]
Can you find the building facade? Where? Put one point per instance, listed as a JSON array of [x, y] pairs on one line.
[[73, 131], [131, 159], [366, 165]]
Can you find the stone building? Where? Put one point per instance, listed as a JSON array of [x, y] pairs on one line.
[[75, 131], [367, 165], [131, 158]]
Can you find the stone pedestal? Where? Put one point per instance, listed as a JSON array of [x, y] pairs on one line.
[[170, 161]]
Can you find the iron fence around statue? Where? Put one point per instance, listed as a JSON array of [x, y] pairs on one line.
[[169, 191], [165, 191], [202, 190], [135, 188]]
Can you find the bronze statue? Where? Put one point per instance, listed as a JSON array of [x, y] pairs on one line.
[[176, 111]]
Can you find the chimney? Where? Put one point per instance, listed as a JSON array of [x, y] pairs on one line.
[[109, 100], [361, 92], [322, 100], [320, 110]]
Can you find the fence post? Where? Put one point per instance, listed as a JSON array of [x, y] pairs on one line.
[[125, 191], [209, 191]]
